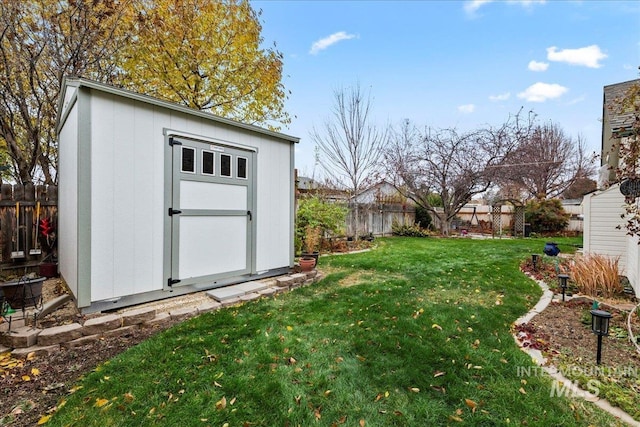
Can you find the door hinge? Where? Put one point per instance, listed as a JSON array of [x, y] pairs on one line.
[[173, 142], [171, 282], [173, 212]]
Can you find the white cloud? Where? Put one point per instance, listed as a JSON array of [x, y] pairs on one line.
[[538, 66], [500, 97], [472, 6], [467, 108], [324, 43], [540, 92], [589, 56]]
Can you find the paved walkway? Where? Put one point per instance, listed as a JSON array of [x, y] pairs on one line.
[[538, 358]]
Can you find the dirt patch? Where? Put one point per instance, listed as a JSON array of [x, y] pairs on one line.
[[563, 331]]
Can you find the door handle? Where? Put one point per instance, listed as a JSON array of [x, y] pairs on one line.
[[250, 215]]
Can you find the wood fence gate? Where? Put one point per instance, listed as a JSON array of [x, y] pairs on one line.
[[21, 208]]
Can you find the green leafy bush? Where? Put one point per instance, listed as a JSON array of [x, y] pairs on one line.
[[315, 212], [546, 215]]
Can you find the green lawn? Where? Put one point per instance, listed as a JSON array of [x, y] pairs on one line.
[[413, 333]]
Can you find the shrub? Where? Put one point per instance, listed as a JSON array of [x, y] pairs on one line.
[[423, 218], [317, 213], [597, 275], [413, 230], [546, 215]]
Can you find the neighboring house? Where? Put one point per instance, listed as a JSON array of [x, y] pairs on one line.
[[309, 186], [380, 193], [614, 127], [158, 200], [604, 225]]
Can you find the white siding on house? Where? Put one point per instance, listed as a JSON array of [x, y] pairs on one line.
[[633, 264], [602, 236]]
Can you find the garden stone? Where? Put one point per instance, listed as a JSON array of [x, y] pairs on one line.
[[298, 277], [80, 342], [38, 351], [209, 306], [161, 320], [285, 282], [60, 334], [22, 337], [120, 332], [136, 317], [249, 297], [101, 324], [183, 313]]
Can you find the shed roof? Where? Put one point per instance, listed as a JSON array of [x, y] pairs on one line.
[[79, 82], [618, 122]]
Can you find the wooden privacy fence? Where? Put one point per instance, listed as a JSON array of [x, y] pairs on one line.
[[376, 219], [19, 230]]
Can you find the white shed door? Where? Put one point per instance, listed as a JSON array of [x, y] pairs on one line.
[[212, 212]]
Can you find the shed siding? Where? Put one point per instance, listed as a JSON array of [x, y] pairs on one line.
[[127, 213], [602, 217], [273, 214], [68, 201]]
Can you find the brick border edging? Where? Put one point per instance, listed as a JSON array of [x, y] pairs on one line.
[[553, 372], [25, 340]]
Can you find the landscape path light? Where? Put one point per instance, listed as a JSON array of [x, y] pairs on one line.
[[563, 283], [600, 327], [534, 261]]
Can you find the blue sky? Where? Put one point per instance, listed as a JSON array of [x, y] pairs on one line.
[[462, 64]]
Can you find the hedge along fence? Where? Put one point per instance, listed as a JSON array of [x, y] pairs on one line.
[[19, 232]]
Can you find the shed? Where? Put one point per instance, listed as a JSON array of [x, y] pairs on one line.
[[158, 200]]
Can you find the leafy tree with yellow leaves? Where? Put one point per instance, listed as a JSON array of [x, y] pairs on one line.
[[206, 54]]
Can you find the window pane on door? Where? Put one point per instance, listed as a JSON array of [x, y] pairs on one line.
[[208, 163], [225, 165], [242, 168], [188, 159]]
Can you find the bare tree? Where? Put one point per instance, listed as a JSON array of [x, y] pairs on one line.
[[547, 163], [454, 166], [349, 144]]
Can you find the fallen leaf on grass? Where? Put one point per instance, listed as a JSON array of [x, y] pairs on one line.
[[221, 404], [45, 419], [438, 374], [436, 326], [471, 404], [414, 389], [362, 423], [521, 390], [101, 402]]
